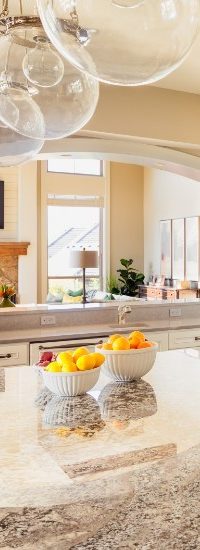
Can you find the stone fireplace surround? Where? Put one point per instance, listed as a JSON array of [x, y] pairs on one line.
[[9, 254]]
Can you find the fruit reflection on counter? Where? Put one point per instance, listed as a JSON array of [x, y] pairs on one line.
[[70, 361]]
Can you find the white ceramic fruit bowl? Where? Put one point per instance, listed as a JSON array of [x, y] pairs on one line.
[[71, 383], [128, 365]]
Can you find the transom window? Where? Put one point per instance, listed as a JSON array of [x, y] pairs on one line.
[[89, 167]]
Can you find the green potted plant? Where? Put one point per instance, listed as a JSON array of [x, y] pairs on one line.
[[129, 278], [112, 285]]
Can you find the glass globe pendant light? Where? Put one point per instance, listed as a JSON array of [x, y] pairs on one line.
[[67, 107], [42, 65], [16, 149], [128, 47], [43, 112], [18, 110]]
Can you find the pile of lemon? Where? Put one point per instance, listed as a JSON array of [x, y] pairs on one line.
[[135, 340], [73, 361]]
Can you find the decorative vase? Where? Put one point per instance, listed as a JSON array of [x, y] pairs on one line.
[[6, 302]]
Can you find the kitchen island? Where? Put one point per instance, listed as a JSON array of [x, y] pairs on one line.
[[116, 468]]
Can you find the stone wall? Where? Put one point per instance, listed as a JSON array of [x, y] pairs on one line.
[[9, 271]]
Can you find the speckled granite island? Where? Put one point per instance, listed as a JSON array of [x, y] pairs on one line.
[[116, 468]]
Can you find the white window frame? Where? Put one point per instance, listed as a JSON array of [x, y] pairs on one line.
[[72, 204], [50, 185]]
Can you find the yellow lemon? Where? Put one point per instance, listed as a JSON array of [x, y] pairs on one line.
[[69, 367], [113, 337], [99, 359], [79, 352], [62, 356], [54, 367], [121, 343], [107, 345], [86, 362]]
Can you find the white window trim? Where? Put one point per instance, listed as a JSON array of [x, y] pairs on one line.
[[59, 188]]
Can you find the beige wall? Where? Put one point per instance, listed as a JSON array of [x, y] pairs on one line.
[[126, 215], [166, 196], [27, 231]]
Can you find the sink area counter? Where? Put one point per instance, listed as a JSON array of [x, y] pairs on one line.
[[28, 324], [116, 468]]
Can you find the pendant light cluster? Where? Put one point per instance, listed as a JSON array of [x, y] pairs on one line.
[[42, 96], [51, 63]]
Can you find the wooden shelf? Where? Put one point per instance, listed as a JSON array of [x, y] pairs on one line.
[[17, 248]]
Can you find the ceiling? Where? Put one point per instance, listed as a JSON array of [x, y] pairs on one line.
[[186, 78]]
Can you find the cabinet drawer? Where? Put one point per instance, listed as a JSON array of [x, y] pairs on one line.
[[189, 338], [14, 354], [160, 337]]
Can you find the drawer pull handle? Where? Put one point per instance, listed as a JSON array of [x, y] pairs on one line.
[[7, 356], [78, 344], [197, 338]]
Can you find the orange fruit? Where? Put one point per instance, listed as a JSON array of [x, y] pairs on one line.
[[121, 343], [99, 359], [86, 362], [107, 345], [144, 345], [78, 353], [135, 338], [112, 338]]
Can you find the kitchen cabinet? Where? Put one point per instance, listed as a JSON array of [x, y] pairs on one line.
[[14, 354], [38, 348], [160, 337], [187, 338]]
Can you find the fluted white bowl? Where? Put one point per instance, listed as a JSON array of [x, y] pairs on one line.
[[71, 383], [127, 365]]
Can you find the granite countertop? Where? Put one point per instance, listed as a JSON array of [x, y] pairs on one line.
[[116, 468]]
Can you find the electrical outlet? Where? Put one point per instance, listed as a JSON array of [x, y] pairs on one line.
[[47, 320], [175, 312]]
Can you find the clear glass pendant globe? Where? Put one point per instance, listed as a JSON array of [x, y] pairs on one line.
[[16, 149], [30, 121], [44, 113], [42, 65], [67, 107], [122, 46]]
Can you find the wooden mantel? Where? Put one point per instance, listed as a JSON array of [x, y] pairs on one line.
[[16, 248]]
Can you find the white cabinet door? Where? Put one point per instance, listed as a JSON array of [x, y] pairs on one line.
[[160, 337], [14, 354], [187, 338]]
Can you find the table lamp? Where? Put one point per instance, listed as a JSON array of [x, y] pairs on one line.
[[83, 259]]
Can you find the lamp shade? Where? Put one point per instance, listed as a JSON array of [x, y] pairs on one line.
[[82, 258]]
